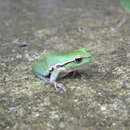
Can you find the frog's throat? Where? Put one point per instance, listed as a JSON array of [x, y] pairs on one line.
[[55, 66]]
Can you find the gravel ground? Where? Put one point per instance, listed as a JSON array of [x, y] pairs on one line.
[[98, 99]]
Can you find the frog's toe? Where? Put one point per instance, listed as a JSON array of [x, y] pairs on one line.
[[59, 87]]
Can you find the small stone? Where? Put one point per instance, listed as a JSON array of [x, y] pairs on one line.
[[114, 123], [62, 125], [28, 57], [127, 85], [47, 101], [103, 108], [128, 55], [50, 126], [37, 114], [13, 50], [18, 56], [55, 116]]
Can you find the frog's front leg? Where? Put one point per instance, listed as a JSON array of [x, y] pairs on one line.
[[53, 77]]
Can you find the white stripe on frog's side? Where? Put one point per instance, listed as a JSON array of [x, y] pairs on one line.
[[53, 67]]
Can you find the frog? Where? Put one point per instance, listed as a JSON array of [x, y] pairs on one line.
[[53, 66]]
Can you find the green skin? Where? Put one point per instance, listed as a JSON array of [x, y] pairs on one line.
[[56, 65], [126, 5]]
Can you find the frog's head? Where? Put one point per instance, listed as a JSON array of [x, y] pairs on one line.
[[79, 57]]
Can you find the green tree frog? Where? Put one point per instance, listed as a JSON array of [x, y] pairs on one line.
[[56, 65]]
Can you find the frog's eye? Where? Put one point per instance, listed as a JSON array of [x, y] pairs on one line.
[[78, 59], [51, 68]]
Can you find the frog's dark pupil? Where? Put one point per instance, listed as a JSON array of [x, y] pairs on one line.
[[78, 60], [51, 69]]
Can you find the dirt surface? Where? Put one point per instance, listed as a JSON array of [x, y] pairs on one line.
[[98, 99]]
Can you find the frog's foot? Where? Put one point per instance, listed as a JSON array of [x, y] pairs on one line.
[[59, 87]]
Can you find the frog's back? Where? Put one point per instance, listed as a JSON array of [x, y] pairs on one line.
[[54, 58]]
